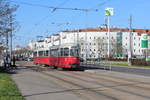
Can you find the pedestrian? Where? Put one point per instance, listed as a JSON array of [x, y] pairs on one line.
[[5, 62], [9, 61], [14, 62]]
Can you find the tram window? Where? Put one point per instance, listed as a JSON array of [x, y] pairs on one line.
[[41, 53], [61, 52], [56, 52], [46, 53], [35, 54], [77, 50], [74, 52], [66, 51], [71, 52], [52, 52]]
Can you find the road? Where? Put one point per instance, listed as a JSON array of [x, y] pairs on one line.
[[130, 70], [39, 83]]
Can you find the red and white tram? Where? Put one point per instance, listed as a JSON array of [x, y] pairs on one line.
[[64, 56]]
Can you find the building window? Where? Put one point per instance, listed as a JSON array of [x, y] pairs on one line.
[[134, 44], [103, 38], [134, 50], [82, 55], [94, 37], [134, 38], [126, 38], [90, 37]]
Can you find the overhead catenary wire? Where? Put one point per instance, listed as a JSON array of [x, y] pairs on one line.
[[61, 4], [101, 4], [44, 18], [55, 8]]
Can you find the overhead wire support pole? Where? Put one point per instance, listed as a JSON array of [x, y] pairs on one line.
[[108, 12], [108, 27], [130, 42], [11, 30], [108, 36], [7, 49], [86, 43]]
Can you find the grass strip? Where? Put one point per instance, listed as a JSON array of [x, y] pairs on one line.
[[8, 88]]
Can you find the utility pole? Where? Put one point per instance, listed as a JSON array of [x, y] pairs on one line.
[[11, 32], [86, 37], [7, 47], [108, 36], [108, 13], [130, 41]]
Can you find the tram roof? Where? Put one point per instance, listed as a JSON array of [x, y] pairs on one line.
[[64, 45]]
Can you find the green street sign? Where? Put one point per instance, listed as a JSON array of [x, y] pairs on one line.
[[145, 37], [144, 41], [148, 59], [109, 12]]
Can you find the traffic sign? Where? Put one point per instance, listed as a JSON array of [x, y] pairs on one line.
[[109, 11], [144, 41]]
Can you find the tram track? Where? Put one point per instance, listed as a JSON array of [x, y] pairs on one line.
[[87, 90], [77, 89], [121, 81], [87, 85], [114, 87]]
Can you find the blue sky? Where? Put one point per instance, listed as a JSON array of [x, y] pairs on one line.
[[37, 21]]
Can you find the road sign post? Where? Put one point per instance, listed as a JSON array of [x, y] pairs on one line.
[[108, 12]]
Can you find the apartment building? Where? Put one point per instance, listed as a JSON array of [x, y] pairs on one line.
[[94, 42]]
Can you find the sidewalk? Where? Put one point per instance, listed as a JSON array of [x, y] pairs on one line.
[[35, 86]]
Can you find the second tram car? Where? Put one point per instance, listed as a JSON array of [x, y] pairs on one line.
[[64, 56]]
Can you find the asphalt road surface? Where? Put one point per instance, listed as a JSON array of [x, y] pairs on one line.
[[137, 71], [40, 83]]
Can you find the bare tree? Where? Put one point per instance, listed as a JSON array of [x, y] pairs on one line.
[[7, 20]]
